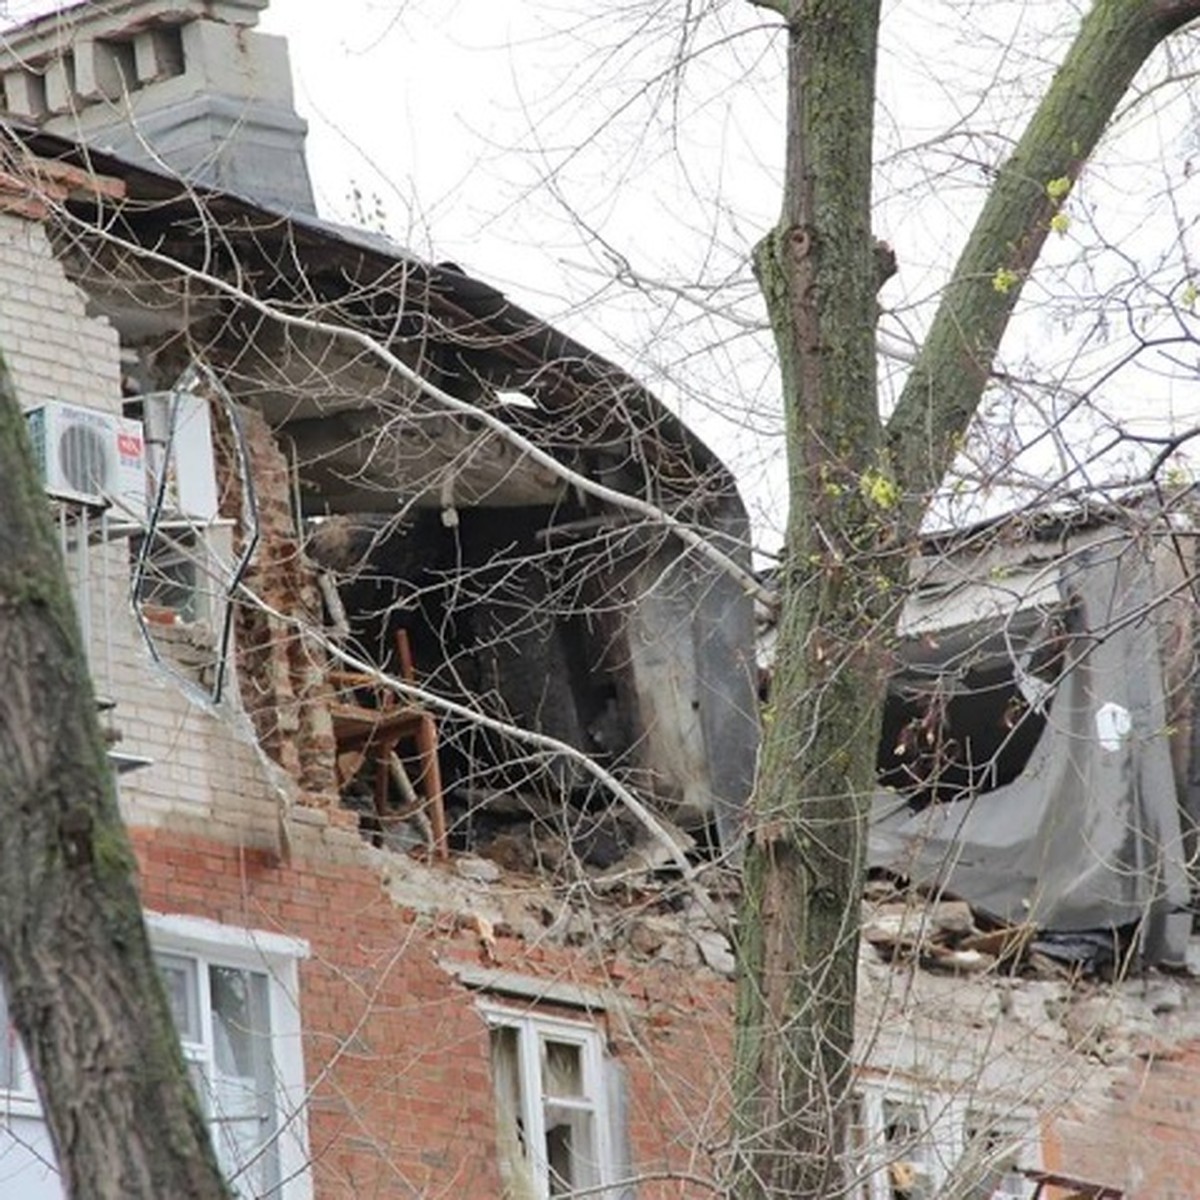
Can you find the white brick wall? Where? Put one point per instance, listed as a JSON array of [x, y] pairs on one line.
[[54, 350], [207, 769]]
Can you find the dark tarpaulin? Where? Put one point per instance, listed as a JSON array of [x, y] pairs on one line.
[[1088, 836]]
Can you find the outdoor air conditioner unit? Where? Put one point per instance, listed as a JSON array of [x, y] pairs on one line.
[[93, 458]]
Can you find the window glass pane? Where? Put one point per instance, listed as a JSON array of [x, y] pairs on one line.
[[570, 1126], [180, 981], [10, 1051], [242, 1088], [516, 1165], [562, 1069], [169, 579], [570, 1149]]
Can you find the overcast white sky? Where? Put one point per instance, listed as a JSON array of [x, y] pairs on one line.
[[465, 121], [553, 149]]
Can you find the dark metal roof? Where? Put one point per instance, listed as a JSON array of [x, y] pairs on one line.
[[162, 211]]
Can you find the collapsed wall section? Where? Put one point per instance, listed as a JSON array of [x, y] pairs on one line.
[[282, 671], [603, 637], [1028, 754]]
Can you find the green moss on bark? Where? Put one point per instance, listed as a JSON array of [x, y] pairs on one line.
[[83, 990]]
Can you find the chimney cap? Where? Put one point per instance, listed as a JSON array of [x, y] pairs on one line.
[[46, 35], [188, 84]]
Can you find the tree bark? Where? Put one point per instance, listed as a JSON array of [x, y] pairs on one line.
[[857, 495], [83, 989], [798, 940]]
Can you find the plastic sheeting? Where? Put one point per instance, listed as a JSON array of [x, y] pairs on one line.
[[1088, 836]]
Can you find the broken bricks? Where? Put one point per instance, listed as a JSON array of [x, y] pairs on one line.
[[942, 934]]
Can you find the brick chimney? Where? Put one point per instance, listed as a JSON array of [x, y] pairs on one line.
[[186, 85]]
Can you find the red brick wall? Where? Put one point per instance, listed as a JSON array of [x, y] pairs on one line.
[[395, 1050], [1142, 1133], [397, 1055], [282, 676]]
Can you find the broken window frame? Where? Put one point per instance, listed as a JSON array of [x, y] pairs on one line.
[[164, 528], [941, 1144], [207, 944], [532, 1176], [912, 1145]]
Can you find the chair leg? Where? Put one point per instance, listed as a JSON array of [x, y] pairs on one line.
[[427, 752], [431, 774]]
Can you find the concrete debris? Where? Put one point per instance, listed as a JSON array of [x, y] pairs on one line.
[[943, 935], [716, 952], [648, 935], [1006, 943], [1164, 996], [481, 870], [486, 932], [1101, 1027], [654, 856], [966, 961], [905, 925], [512, 850], [577, 927]]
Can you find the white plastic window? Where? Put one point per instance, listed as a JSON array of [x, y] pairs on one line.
[[906, 1145], [552, 1108], [232, 993], [232, 996], [224, 1022]]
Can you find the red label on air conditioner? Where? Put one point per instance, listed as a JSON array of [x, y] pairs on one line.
[[129, 445]]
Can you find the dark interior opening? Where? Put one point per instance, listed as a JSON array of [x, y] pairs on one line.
[[496, 623], [937, 747], [961, 719]]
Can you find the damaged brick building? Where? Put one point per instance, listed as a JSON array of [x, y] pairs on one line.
[[309, 458], [433, 738]]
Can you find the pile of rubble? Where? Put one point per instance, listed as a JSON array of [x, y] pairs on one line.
[[943, 934]]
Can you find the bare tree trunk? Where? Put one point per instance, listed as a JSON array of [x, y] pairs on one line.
[[857, 496], [798, 939], [82, 986]]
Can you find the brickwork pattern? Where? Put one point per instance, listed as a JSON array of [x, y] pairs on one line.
[[207, 769], [283, 677], [396, 1051]]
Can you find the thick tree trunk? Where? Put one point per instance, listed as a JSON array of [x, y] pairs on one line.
[[83, 990], [847, 524], [798, 938]]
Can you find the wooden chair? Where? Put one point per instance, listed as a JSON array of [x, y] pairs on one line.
[[377, 732]]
